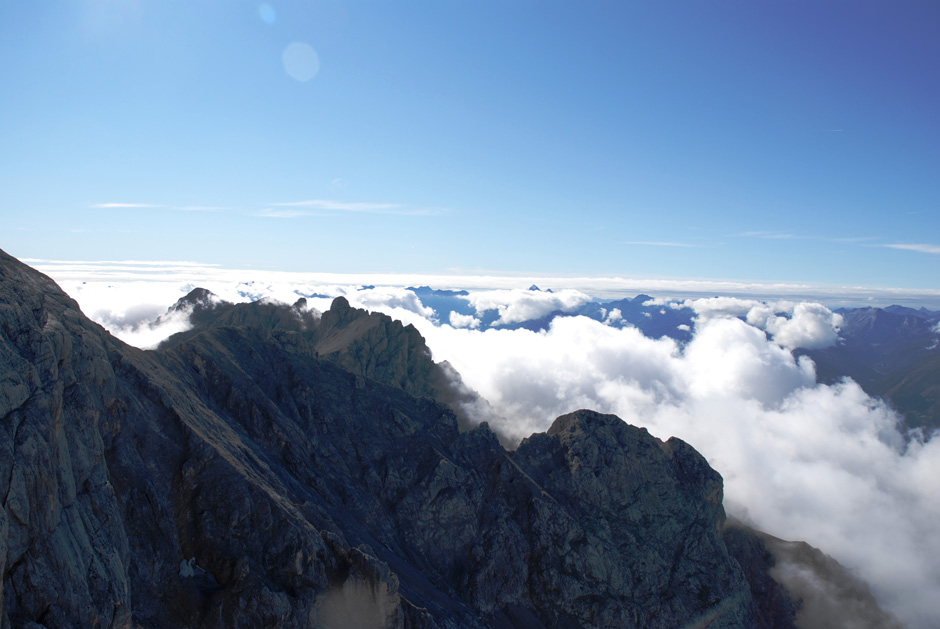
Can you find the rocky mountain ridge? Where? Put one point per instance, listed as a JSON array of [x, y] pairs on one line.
[[892, 353], [372, 345], [274, 469]]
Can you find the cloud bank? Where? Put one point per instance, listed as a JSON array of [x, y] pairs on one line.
[[791, 325], [70, 274], [825, 464], [517, 306]]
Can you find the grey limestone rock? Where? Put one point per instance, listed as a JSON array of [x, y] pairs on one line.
[[64, 551]]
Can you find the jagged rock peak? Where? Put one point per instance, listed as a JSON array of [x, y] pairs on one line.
[[197, 297], [340, 305], [610, 448], [20, 279], [341, 308], [584, 420]]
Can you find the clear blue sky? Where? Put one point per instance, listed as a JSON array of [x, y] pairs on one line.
[[789, 141]]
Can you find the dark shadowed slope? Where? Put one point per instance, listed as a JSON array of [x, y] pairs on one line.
[[369, 344], [893, 353], [239, 478]]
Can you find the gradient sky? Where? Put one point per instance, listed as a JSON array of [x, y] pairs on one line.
[[788, 142]]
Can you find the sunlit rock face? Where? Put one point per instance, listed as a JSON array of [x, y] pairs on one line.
[[273, 467]]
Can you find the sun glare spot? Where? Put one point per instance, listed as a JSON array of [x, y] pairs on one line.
[[267, 14], [301, 61]]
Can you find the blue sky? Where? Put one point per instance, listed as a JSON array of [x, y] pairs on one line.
[[768, 142]]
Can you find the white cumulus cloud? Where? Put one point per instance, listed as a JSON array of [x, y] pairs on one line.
[[824, 464], [389, 297], [614, 317], [517, 306], [810, 326], [458, 320], [792, 325]]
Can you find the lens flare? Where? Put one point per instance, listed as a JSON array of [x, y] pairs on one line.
[[301, 61], [267, 14]]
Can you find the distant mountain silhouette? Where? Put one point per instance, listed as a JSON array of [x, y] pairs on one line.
[[891, 353], [654, 321]]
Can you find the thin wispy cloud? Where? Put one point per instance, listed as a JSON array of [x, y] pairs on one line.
[[85, 230], [341, 206], [934, 249], [858, 239], [200, 208], [292, 209], [326, 205], [122, 205], [648, 243], [766, 235], [269, 213], [179, 208]]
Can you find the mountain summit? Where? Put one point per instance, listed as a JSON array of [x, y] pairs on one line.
[[273, 467]]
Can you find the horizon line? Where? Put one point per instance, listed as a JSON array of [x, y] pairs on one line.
[[598, 285]]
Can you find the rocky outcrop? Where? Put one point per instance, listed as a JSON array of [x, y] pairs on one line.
[[64, 551], [378, 347], [369, 344], [243, 476], [650, 513]]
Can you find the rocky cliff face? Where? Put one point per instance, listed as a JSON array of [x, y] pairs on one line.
[[64, 550], [263, 471], [369, 344]]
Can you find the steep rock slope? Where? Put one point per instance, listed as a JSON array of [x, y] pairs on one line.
[[63, 547], [915, 391], [238, 478], [369, 344], [793, 582]]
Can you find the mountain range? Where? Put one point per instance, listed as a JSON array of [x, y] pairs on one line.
[[276, 466], [893, 353]]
